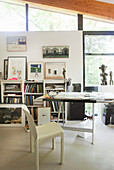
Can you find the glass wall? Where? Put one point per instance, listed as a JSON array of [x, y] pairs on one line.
[[98, 50], [12, 17], [41, 20], [95, 24]]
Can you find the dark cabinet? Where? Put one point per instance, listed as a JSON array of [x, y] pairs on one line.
[[76, 111]]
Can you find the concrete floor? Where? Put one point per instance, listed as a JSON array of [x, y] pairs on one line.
[[79, 153]]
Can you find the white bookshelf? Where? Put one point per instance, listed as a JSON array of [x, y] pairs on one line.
[[56, 86], [12, 91]]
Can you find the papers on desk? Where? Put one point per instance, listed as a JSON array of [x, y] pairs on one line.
[[75, 95], [99, 97]]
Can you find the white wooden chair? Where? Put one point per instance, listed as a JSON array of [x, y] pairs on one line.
[[41, 133]]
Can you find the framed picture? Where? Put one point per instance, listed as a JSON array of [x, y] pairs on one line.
[[17, 67], [5, 69], [16, 43], [55, 51], [10, 116], [55, 70], [35, 71], [0, 75]]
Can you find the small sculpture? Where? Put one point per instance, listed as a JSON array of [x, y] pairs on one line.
[[111, 81], [64, 73], [103, 74], [36, 74]]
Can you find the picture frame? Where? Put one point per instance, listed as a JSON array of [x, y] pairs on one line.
[[55, 51], [16, 43], [0, 75], [35, 70], [17, 67], [5, 69], [12, 116], [55, 70]]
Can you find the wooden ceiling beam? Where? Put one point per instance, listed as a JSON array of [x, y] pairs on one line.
[[85, 7]]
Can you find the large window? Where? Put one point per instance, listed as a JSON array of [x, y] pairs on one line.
[[12, 17], [40, 20], [98, 50], [95, 24]]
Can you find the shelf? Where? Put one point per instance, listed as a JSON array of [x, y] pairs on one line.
[[54, 89], [31, 82], [56, 112], [34, 105], [12, 96], [33, 93], [11, 81], [10, 91]]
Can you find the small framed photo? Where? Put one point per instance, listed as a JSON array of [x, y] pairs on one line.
[[35, 71], [17, 67], [0, 75], [16, 43], [55, 51], [5, 69], [55, 70]]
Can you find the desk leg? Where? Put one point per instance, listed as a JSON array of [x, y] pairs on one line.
[[92, 123], [62, 106], [59, 111]]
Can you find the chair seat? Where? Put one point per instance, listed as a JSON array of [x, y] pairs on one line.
[[49, 130]]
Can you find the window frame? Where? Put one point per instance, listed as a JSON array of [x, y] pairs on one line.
[[84, 53]]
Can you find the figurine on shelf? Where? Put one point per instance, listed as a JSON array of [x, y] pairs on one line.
[[111, 81], [64, 73], [103, 74], [36, 74]]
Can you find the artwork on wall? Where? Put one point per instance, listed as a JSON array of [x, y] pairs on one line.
[[10, 116], [5, 69], [35, 71], [16, 43], [55, 51], [0, 75], [54, 70], [17, 67]]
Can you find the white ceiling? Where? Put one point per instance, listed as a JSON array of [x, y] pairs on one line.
[[107, 1]]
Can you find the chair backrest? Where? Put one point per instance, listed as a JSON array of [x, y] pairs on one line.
[[31, 123]]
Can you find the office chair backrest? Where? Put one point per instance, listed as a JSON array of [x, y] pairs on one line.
[[31, 123]]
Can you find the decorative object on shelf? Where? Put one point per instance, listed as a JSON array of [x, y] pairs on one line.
[[110, 81], [68, 82], [103, 74], [35, 71], [5, 69], [16, 43], [17, 67], [54, 70], [64, 73], [55, 51]]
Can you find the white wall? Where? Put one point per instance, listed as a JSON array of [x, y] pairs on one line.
[[35, 41]]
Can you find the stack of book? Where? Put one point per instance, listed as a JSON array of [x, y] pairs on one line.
[[33, 88], [37, 101]]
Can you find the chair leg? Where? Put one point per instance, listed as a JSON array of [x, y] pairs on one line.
[[36, 155], [53, 143], [31, 143], [62, 149]]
